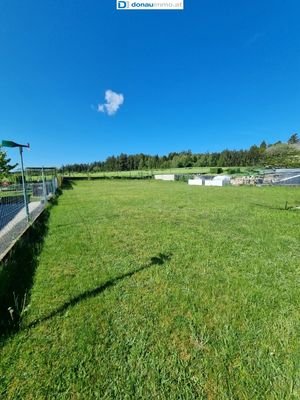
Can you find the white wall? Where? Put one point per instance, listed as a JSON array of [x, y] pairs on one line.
[[211, 182], [216, 181], [196, 182], [165, 177]]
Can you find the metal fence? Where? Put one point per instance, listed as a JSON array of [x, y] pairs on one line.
[[17, 212]]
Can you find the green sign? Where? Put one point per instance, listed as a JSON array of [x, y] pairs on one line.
[[8, 143]]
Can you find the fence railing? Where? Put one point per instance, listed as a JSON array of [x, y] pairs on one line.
[[15, 217]]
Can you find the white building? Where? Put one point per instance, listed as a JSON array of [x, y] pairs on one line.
[[220, 180], [197, 181], [170, 177]]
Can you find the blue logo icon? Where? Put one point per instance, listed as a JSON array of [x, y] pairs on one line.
[[122, 4]]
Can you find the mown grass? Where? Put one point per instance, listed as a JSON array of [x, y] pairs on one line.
[[151, 172], [158, 290], [141, 174]]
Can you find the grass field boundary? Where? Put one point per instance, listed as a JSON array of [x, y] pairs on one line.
[[16, 216], [17, 269], [22, 232], [107, 177]]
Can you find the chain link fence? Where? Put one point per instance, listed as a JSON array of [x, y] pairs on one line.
[[18, 210]]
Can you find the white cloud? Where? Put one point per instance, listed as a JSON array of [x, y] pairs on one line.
[[112, 104]]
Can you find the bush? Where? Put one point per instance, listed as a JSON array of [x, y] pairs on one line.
[[232, 171], [184, 177], [216, 170]]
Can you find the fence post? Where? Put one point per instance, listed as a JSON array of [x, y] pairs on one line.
[[44, 186]]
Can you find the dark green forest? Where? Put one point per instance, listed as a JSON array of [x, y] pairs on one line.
[[279, 154]]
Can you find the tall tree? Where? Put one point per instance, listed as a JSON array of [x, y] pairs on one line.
[[263, 145], [294, 139], [123, 160], [5, 167]]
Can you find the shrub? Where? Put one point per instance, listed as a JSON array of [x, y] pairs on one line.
[[233, 171], [216, 170]]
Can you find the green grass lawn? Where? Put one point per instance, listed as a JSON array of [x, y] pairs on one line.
[[150, 172], [138, 173], [159, 290]]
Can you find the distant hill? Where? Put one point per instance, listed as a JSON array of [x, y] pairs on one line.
[[283, 155]]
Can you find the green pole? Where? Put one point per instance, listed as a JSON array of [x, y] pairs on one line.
[[24, 185]]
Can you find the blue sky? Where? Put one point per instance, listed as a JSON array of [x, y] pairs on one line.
[[220, 74]]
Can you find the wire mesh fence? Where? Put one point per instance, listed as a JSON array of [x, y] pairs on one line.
[[18, 209]]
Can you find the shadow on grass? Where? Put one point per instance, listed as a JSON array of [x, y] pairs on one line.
[[158, 260], [267, 206], [270, 207], [286, 207], [17, 272], [67, 184]]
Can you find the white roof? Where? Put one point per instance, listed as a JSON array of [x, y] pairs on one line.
[[221, 178]]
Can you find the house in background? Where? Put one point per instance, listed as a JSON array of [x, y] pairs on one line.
[[220, 180]]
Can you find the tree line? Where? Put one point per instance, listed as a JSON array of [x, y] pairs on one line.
[[277, 154]]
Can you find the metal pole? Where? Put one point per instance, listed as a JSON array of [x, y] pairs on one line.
[[24, 185], [44, 186]]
